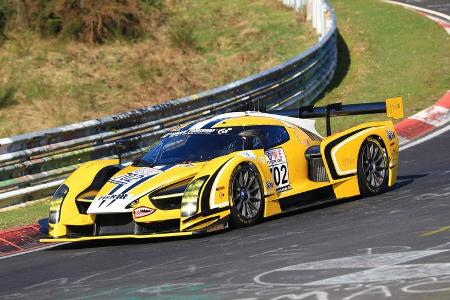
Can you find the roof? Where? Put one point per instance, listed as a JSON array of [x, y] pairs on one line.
[[253, 118]]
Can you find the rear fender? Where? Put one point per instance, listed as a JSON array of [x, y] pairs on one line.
[[340, 154]]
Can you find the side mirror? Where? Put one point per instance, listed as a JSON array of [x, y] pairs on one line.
[[119, 147]]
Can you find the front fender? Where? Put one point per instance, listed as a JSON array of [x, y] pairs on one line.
[[214, 201], [80, 180]]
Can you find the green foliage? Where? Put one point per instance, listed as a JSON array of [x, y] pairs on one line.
[[145, 74], [7, 95], [5, 14], [182, 35], [159, 4], [50, 25], [93, 21]]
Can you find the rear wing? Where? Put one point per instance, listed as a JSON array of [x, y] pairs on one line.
[[393, 107]]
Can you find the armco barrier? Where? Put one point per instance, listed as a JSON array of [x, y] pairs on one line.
[[33, 164]]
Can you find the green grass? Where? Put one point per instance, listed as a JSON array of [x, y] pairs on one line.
[[195, 46], [392, 52], [27, 215]]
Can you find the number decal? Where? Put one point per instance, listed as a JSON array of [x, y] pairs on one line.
[[278, 166], [284, 170]]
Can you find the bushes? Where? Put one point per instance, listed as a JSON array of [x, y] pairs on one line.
[[91, 20], [94, 21], [7, 95], [5, 13], [182, 35]]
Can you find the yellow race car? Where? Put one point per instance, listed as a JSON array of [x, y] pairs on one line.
[[231, 170]]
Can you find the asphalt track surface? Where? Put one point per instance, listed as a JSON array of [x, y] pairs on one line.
[[395, 245], [442, 6]]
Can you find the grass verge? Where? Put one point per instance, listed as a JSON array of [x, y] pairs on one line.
[[386, 51], [26, 215]]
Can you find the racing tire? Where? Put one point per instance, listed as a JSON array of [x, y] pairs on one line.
[[246, 196], [373, 167]]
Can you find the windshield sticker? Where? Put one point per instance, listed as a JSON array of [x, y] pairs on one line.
[[190, 131], [228, 130], [224, 130], [277, 162]]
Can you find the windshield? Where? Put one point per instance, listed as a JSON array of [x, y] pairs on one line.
[[191, 148]]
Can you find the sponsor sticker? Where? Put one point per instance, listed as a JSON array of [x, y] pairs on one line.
[[191, 131], [390, 135], [113, 197], [142, 211], [277, 162], [224, 130], [248, 154], [134, 176], [269, 185]]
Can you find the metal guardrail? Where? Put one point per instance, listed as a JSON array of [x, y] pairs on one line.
[[32, 165]]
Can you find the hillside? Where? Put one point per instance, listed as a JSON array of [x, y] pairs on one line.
[[190, 46]]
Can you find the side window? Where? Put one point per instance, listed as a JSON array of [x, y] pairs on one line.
[[274, 136]]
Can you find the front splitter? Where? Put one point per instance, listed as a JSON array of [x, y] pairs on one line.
[[122, 236]]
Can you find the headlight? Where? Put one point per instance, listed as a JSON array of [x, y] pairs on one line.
[[189, 203], [55, 203]]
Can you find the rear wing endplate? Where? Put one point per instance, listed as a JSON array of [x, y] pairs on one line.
[[393, 107]]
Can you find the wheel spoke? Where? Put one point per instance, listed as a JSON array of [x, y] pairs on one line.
[[241, 179], [245, 177], [254, 189], [252, 179], [380, 168], [366, 171], [252, 206], [239, 205], [243, 209], [248, 210], [372, 179], [257, 197]]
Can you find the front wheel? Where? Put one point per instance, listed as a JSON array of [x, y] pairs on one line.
[[373, 171], [246, 196]]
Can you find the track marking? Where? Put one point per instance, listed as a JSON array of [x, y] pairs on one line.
[[31, 251], [442, 229], [375, 268], [429, 11], [426, 138]]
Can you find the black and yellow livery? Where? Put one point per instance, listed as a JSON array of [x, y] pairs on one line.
[[231, 170]]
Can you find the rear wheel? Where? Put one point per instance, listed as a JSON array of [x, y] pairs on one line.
[[246, 195], [373, 169]]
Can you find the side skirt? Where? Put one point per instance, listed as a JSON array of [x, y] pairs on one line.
[[307, 199]]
